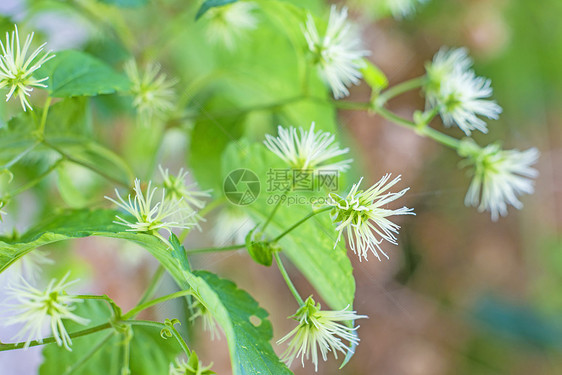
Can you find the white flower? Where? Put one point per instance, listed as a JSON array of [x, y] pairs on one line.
[[463, 98], [363, 216], [446, 62], [150, 216], [36, 308], [499, 176], [232, 224], [16, 69], [209, 323], [190, 367], [30, 265], [307, 149], [403, 8], [319, 329], [337, 53], [176, 188], [153, 93], [228, 23]]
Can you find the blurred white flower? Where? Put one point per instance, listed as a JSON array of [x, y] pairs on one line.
[[459, 95], [36, 309], [209, 323], [307, 149], [363, 216], [499, 177], [150, 214], [177, 189], [29, 266], [190, 367], [403, 8], [228, 23], [232, 224], [319, 330], [16, 69], [337, 52], [445, 63], [153, 93]]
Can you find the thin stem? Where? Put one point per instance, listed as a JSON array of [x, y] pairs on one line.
[[288, 279], [44, 115], [35, 181], [20, 156], [133, 312], [425, 131], [86, 165], [313, 213], [128, 335], [116, 309], [153, 285], [89, 354], [149, 323], [272, 214], [401, 88], [214, 249], [50, 340]]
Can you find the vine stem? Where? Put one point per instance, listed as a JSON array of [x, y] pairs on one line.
[[154, 282], [50, 340], [35, 181], [313, 213], [44, 115], [215, 249], [401, 88], [116, 309], [133, 312], [287, 278], [149, 323], [89, 354]]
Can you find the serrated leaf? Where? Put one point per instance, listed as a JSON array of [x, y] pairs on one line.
[[250, 350], [311, 246], [74, 73], [211, 4]]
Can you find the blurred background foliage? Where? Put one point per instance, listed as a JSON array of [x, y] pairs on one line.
[[460, 295]]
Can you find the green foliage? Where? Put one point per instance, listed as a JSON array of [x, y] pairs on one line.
[[125, 3], [311, 246], [72, 73], [149, 353]]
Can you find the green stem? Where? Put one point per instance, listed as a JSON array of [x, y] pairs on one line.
[[35, 181], [148, 323], [50, 340], [133, 312], [313, 213], [154, 282], [214, 249], [86, 165], [88, 355], [401, 88], [116, 309], [425, 131], [287, 279], [20, 156], [44, 116], [281, 200]]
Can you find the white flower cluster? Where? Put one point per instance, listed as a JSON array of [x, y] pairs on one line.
[[458, 93], [228, 23], [499, 177], [17, 68]]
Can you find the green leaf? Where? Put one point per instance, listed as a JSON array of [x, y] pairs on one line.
[[311, 246], [374, 76], [211, 4], [234, 309], [125, 3], [74, 73], [149, 353]]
